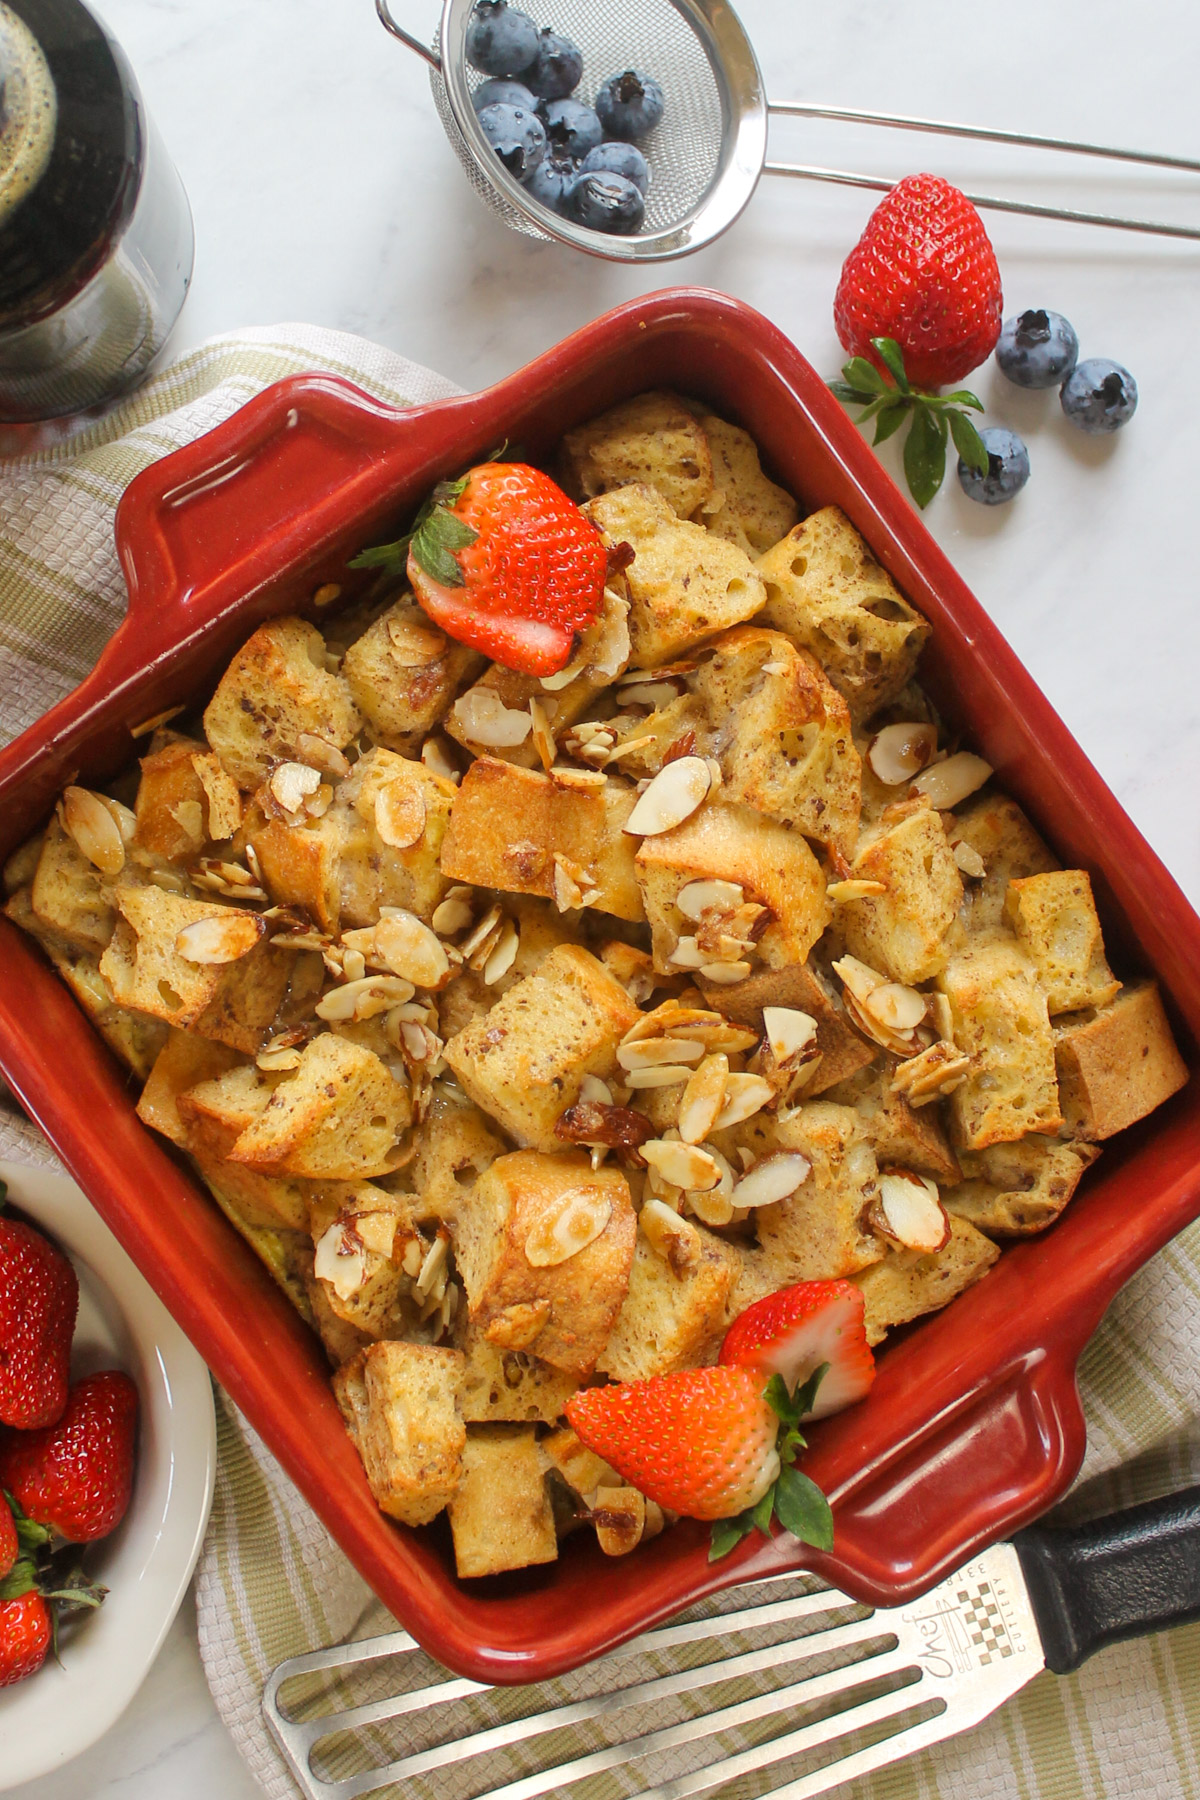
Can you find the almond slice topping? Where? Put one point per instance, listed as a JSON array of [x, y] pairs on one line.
[[899, 752], [899, 1009], [698, 897], [936, 1071], [666, 1075], [363, 999], [671, 797], [400, 815], [724, 974], [789, 1031], [968, 860], [543, 737], [483, 718], [857, 978], [670, 1237], [438, 760], [744, 1096], [322, 755], [414, 645], [947, 783], [502, 955], [687, 954], [703, 1098], [291, 783], [683, 1165], [772, 1178], [909, 1211], [91, 826], [854, 889], [453, 914], [341, 1259], [577, 1220], [219, 939], [645, 1053], [411, 950]]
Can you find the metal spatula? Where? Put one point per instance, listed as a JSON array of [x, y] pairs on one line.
[[819, 1690]]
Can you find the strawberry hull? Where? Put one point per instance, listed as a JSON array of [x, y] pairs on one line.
[[973, 1425]]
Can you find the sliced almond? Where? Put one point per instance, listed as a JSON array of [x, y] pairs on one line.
[[219, 940], [413, 644], [687, 954], [666, 1075], [363, 999], [482, 717], [432, 1265], [273, 1061], [341, 1259], [482, 931], [90, 825], [411, 950], [290, 784], [646, 1053], [854, 888], [683, 1165], [502, 955], [857, 978], [703, 1098], [744, 1096], [671, 797], [670, 1237], [933, 1073], [715, 1208], [901, 1009], [318, 804], [909, 1211], [900, 1043], [323, 755], [543, 737], [578, 778], [438, 759], [577, 1220], [454, 913], [941, 1013], [568, 891], [789, 1031], [654, 694], [593, 1089], [968, 860], [899, 752], [945, 784], [154, 721], [354, 965], [699, 897], [400, 815], [724, 974], [631, 747], [772, 1178]]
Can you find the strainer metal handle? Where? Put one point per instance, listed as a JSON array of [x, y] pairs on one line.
[[426, 51]]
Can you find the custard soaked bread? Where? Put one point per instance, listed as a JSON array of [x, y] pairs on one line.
[[530, 1028]]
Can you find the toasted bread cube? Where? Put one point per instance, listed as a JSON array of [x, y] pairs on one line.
[[507, 1386], [825, 589], [903, 931], [744, 506], [171, 805], [214, 1113], [581, 1469], [184, 1061], [500, 1512], [336, 1118], [399, 1402], [902, 1136], [69, 895], [287, 1256], [1014, 1190], [654, 438], [300, 863], [1054, 917], [562, 1310], [676, 1310], [341, 1340], [234, 1002], [1118, 1066], [684, 584], [802, 987], [400, 699], [136, 1039], [633, 968], [817, 1233], [368, 1253], [524, 1061], [276, 690], [517, 829], [384, 796], [454, 1144], [773, 866], [905, 1284], [1000, 1020], [21, 866], [1011, 850]]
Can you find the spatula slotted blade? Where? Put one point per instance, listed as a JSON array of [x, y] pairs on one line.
[[778, 1689]]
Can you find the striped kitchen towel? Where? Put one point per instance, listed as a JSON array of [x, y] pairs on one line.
[[271, 1583]]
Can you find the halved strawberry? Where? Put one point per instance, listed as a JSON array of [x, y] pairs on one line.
[[793, 1332]]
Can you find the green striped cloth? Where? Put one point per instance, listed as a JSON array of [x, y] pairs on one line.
[[271, 1583]]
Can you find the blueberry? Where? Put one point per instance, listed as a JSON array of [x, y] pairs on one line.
[[1099, 396], [1037, 349], [558, 66], [571, 124], [516, 135], [629, 105], [1008, 468], [607, 202], [618, 159], [500, 40], [551, 182], [499, 92]]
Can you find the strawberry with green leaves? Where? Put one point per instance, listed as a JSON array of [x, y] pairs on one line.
[[76, 1476], [933, 419], [504, 561]]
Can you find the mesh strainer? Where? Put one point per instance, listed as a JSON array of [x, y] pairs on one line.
[[708, 153]]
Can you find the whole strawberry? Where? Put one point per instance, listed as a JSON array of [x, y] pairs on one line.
[[25, 1634], [76, 1476], [924, 273], [39, 1297], [503, 561]]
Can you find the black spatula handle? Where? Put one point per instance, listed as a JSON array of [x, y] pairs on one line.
[[1118, 1577]]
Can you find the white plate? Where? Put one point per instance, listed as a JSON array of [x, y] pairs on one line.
[[147, 1562]]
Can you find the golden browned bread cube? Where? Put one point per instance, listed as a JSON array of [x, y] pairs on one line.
[[454, 1144], [773, 866], [403, 675], [906, 1284], [744, 506], [235, 1002], [1000, 1020], [136, 1039], [341, 1340], [213, 1113], [654, 438], [507, 1386], [274, 692], [171, 803], [184, 1061], [817, 1233], [825, 589], [684, 584], [385, 800], [526, 832], [1013, 1190], [528, 1287], [1054, 917], [1011, 849], [525, 1060], [901, 1135], [802, 987], [368, 1256], [1118, 1066], [300, 862], [21, 866], [69, 895], [500, 1512], [336, 1118], [902, 932], [399, 1402], [676, 1310]]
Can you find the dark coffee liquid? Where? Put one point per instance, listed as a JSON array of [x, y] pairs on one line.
[[60, 233]]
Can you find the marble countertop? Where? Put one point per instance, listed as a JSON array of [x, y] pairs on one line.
[[324, 191]]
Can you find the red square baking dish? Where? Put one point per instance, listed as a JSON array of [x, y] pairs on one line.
[[974, 1423]]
